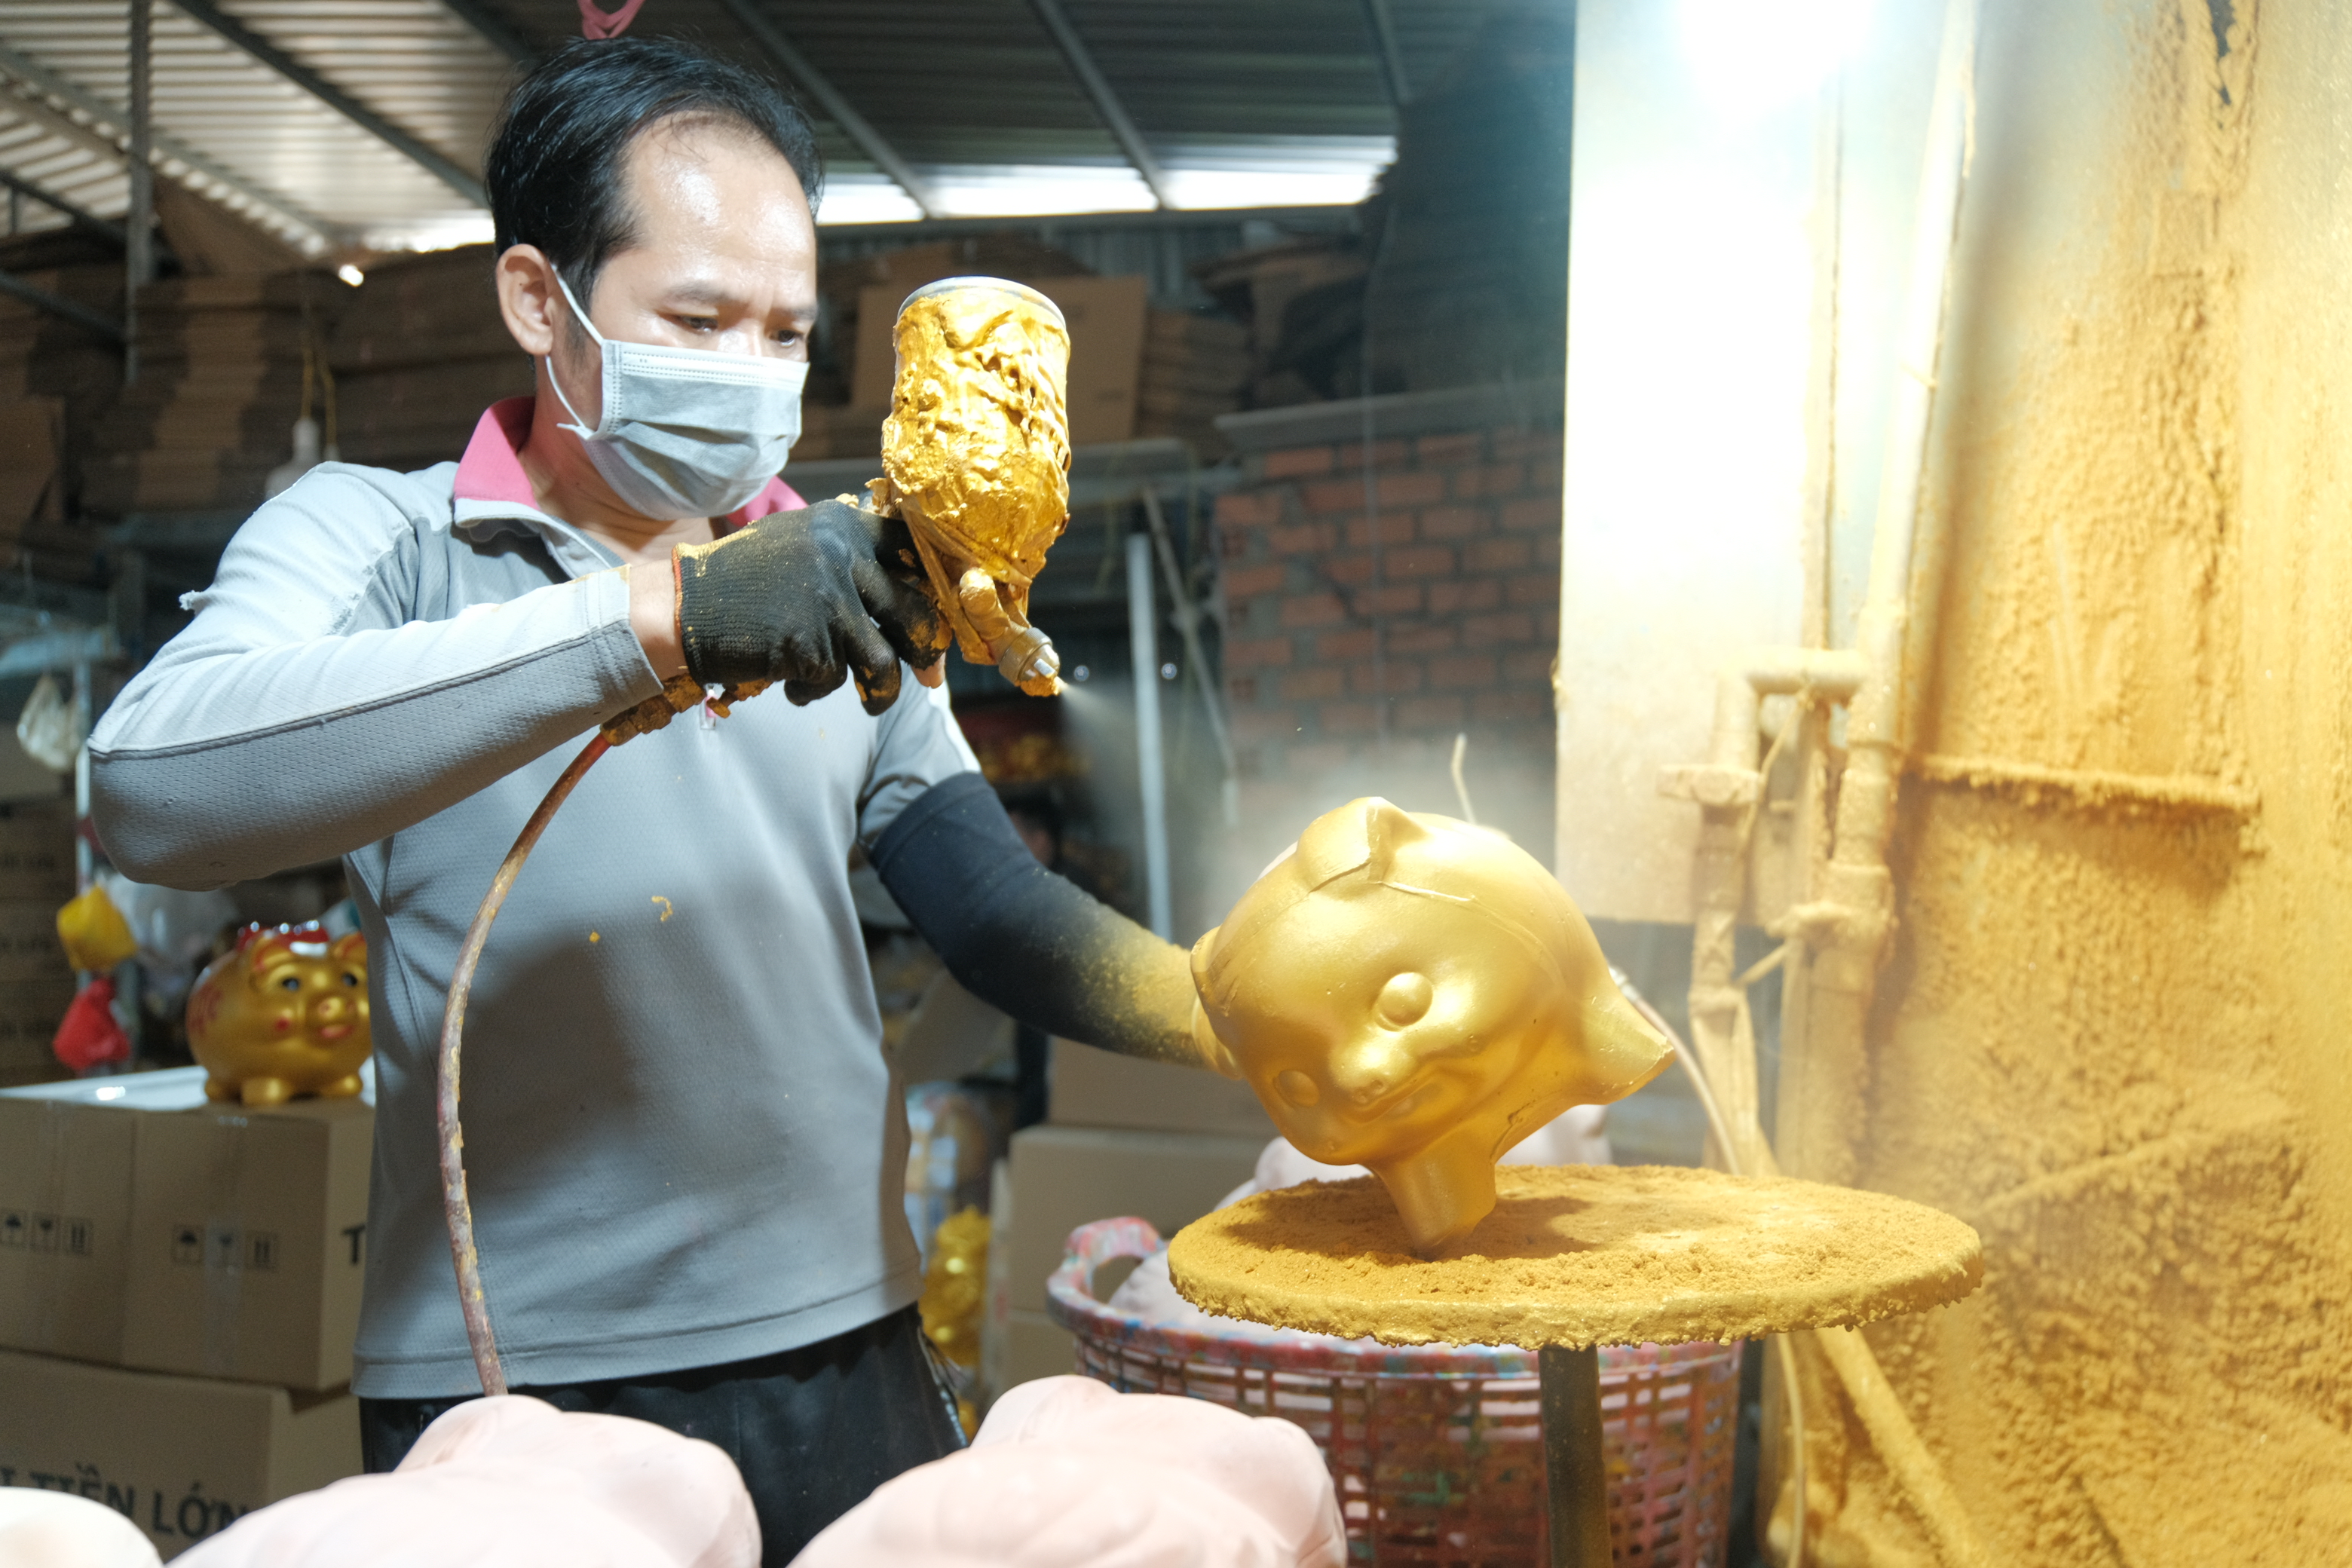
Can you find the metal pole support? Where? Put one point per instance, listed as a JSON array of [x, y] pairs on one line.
[[139, 223], [1575, 1474], [1142, 611]]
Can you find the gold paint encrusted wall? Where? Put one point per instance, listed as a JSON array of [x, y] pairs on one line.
[[2114, 1037]]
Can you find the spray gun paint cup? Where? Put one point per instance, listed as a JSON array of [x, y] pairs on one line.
[[976, 459]]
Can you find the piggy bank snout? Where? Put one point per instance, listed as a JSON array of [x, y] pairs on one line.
[[1368, 1071], [333, 1015]]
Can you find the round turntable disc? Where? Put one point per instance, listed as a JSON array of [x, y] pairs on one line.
[[1579, 1256]]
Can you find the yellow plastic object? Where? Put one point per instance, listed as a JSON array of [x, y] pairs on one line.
[[1416, 994], [955, 1287], [976, 459], [96, 935], [285, 1013]]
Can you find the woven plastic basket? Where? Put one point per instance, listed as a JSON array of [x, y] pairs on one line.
[[1437, 1450]]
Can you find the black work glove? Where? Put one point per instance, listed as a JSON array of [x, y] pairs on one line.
[[804, 598]]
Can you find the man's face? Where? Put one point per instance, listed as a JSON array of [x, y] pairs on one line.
[[725, 256]]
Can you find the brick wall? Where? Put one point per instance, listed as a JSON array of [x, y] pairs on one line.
[[1450, 625]]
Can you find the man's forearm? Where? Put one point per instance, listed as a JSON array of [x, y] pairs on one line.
[[228, 759], [1026, 940]]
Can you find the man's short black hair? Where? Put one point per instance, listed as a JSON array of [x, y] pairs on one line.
[[553, 171]]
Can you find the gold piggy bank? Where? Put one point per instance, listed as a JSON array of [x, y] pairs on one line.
[[284, 1013], [1414, 994]]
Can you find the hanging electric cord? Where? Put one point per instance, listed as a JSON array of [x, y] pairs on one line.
[[1461, 790], [1688, 1060], [680, 693]]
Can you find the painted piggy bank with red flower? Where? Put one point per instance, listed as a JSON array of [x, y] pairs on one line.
[[285, 1013]]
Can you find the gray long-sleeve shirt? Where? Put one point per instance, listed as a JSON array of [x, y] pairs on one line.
[[682, 1139]]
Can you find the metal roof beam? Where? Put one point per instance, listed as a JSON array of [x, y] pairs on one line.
[[81, 217], [780, 49], [1107, 104], [494, 30], [1386, 49], [56, 305], [51, 101], [426, 157]]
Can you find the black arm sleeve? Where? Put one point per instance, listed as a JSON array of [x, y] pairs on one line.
[[1025, 940]]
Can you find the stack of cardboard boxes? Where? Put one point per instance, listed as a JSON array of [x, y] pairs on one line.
[[420, 349], [178, 1291], [1195, 368], [1124, 1137], [219, 388], [57, 379]]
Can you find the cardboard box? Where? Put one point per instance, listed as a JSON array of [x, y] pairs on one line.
[[142, 1225], [182, 1458], [37, 851], [67, 1162], [1106, 318], [1102, 1089], [248, 1242], [30, 948], [1060, 1178], [30, 1011]]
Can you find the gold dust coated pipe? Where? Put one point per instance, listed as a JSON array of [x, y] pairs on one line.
[[976, 461]]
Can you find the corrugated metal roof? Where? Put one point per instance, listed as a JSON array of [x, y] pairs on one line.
[[61, 164], [410, 59], [1242, 102]]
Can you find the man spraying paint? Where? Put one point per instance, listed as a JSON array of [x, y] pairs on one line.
[[684, 1146]]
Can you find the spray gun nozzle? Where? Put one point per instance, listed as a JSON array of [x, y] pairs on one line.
[[1029, 661]]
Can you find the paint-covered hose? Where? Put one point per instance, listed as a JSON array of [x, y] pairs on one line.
[[457, 1210]]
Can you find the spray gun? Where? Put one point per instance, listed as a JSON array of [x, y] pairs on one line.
[[975, 457]]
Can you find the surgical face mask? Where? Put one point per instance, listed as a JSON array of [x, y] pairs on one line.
[[686, 431]]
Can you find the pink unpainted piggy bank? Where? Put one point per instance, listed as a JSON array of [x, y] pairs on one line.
[[284, 1013], [1066, 1473], [512, 1483]]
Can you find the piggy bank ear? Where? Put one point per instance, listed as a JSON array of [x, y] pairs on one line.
[[1205, 1039], [1212, 1049], [1202, 951], [1387, 829], [264, 952], [349, 948], [1622, 1048], [1337, 841], [1204, 1033]]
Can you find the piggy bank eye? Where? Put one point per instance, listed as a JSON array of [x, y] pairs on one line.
[[291, 983], [350, 980], [1404, 999], [1296, 1088]]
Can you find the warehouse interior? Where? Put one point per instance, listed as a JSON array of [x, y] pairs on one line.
[[1840, 490]]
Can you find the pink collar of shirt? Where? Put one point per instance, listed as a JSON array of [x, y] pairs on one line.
[[492, 469]]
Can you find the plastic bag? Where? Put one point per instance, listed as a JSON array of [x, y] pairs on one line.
[[95, 934], [90, 1034], [49, 729], [174, 931]]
